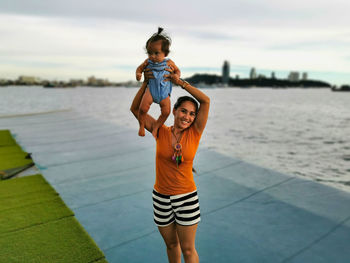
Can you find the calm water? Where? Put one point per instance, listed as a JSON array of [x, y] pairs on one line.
[[295, 131]]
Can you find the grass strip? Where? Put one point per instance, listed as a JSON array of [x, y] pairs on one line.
[[27, 199], [23, 186], [35, 224], [103, 260], [57, 241], [6, 138], [9, 150], [7, 163], [26, 216], [7, 174], [12, 158]]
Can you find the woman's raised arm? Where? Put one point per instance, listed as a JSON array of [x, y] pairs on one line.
[[135, 105], [204, 100]]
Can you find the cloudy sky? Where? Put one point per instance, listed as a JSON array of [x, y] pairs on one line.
[[78, 38]]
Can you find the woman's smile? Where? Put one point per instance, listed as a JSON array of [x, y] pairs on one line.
[[185, 121]]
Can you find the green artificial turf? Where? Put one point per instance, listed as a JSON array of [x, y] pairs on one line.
[[27, 199], [62, 240], [12, 172], [6, 138], [35, 224], [14, 155], [23, 186], [7, 163], [12, 158], [8, 150], [103, 260], [26, 216]]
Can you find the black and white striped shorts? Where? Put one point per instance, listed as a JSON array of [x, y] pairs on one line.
[[182, 209]]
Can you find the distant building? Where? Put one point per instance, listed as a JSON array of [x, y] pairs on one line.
[[28, 80], [129, 84], [76, 82], [273, 76], [237, 76], [304, 76], [252, 73], [226, 72], [92, 81], [293, 76]]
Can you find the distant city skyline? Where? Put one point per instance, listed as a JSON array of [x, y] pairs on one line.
[[293, 76], [77, 39], [241, 72]]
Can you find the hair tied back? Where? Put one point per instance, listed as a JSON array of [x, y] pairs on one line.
[[160, 30]]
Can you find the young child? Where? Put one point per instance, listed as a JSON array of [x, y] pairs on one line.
[[159, 89]]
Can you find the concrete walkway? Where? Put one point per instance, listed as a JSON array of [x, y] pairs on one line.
[[105, 174]]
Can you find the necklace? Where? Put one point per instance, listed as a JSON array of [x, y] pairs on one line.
[[177, 156]]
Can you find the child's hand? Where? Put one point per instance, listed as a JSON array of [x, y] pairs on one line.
[[140, 69], [138, 76]]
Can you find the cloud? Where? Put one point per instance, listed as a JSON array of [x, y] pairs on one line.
[[209, 35], [313, 42], [313, 13], [34, 36], [108, 37]]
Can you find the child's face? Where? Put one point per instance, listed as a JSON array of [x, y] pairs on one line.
[[154, 51]]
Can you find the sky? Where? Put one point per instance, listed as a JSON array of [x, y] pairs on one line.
[[75, 39]]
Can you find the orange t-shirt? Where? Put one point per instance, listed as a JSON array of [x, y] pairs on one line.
[[170, 178]]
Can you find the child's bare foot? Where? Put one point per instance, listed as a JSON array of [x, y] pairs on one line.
[[142, 131], [155, 131]]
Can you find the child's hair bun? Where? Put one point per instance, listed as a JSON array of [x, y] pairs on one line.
[[160, 30], [160, 35]]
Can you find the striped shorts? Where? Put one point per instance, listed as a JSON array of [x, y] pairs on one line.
[[182, 209]]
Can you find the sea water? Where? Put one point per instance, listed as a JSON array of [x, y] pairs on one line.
[[301, 132]]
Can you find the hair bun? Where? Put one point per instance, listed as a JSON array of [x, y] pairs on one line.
[[160, 30]]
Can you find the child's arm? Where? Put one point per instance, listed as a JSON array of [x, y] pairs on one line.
[[140, 69], [176, 70]]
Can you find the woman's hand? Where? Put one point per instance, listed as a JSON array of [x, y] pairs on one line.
[[174, 78], [147, 74]]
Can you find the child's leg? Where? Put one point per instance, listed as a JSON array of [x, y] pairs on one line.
[[144, 107], [165, 111]]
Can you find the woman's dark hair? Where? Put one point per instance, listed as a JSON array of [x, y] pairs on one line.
[[182, 99], [166, 40]]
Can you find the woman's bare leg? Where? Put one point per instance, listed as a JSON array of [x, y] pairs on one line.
[[171, 240], [144, 108], [164, 113], [187, 237]]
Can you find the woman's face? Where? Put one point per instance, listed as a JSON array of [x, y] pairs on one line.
[[184, 115]]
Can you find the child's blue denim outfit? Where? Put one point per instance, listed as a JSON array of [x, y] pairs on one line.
[[159, 88]]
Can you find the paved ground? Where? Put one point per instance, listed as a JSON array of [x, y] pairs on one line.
[[105, 174]]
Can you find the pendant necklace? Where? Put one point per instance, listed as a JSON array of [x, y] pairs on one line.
[[177, 156]]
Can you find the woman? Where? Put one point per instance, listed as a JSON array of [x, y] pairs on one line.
[[175, 200]]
